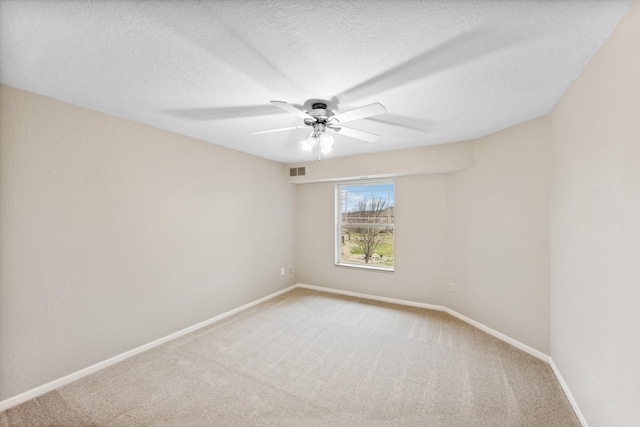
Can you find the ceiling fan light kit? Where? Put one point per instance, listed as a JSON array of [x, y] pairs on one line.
[[320, 118], [319, 138]]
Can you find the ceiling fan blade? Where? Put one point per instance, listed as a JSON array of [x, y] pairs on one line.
[[355, 133], [360, 113], [404, 122], [258, 132], [450, 54], [291, 109]]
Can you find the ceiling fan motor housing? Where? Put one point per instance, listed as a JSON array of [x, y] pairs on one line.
[[320, 112]]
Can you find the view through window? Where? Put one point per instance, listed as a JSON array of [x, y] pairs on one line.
[[364, 225]]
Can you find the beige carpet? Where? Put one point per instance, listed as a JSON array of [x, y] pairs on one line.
[[309, 358]]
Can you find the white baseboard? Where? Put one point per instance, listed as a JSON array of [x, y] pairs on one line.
[[517, 344], [484, 328], [568, 393], [50, 386], [532, 351], [371, 297]]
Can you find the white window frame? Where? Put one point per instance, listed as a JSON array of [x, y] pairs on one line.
[[338, 225]]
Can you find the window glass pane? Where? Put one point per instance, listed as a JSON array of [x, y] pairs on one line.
[[366, 222]]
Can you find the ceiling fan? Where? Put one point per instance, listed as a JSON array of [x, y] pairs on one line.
[[320, 118]]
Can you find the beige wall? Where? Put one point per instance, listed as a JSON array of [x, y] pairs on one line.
[[419, 238], [595, 231], [498, 234], [114, 234]]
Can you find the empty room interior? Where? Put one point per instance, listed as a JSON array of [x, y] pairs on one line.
[[320, 213]]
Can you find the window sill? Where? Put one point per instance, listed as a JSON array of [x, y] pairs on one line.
[[366, 267]]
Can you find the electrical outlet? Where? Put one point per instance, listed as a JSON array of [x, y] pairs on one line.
[[282, 271], [290, 269], [452, 287]]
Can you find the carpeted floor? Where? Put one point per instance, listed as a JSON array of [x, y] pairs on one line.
[[308, 358]]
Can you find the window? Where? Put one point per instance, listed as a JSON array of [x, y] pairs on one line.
[[364, 225]]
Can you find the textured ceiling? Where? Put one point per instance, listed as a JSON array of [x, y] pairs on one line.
[[445, 70]]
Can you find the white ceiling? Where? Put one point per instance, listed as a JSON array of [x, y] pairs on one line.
[[445, 70]]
